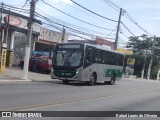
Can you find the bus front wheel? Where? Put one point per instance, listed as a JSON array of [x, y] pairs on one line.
[[92, 80]]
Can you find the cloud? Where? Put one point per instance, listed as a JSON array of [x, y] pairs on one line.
[[151, 18], [67, 1], [63, 1], [156, 18]]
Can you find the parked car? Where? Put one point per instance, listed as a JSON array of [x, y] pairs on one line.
[[40, 61]]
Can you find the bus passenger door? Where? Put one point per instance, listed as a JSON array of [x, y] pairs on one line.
[[88, 62]]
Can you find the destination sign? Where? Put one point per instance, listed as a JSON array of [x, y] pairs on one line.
[[66, 46]]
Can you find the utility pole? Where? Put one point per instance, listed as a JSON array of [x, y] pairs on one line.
[[1, 40], [152, 54], [117, 33], [63, 35], [7, 27], [29, 38]]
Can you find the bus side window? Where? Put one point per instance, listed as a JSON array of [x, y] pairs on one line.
[[117, 59], [98, 56], [113, 58], [109, 55], [104, 57], [121, 57]]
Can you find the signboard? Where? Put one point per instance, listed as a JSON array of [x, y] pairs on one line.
[[126, 52], [13, 20], [130, 62], [69, 46], [20, 22]]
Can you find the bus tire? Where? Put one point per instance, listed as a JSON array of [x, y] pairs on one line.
[[92, 79], [65, 81], [112, 81]]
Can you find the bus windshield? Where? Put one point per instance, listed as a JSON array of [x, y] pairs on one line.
[[68, 57]]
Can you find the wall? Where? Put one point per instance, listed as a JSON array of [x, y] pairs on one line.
[[102, 41], [20, 41], [51, 36]]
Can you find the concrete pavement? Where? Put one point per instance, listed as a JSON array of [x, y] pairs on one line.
[[14, 75]]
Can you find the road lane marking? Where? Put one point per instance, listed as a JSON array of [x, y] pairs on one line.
[[33, 107]]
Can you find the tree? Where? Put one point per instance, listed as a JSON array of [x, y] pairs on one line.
[[142, 45], [143, 42]]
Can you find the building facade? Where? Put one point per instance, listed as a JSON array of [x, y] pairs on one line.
[[13, 38]]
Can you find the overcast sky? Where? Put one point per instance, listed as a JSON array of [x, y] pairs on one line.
[[145, 12]]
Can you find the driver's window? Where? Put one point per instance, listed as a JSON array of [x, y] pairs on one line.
[[88, 56]]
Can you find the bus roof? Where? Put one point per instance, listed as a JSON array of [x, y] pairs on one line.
[[96, 46]]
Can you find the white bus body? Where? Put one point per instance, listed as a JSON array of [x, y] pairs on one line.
[[86, 63]]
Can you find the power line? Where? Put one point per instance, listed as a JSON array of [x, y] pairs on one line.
[[16, 8], [23, 6], [74, 26], [86, 12], [111, 4], [133, 21], [72, 34], [73, 16], [111, 32], [127, 28], [122, 41], [124, 35], [71, 29], [48, 20], [93, 12]]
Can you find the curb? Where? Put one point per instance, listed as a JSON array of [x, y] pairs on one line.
[[137, 79], [18, 80]]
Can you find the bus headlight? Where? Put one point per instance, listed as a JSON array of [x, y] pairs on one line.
[[78, 71]]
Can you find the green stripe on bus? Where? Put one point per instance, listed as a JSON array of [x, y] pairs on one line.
[[109, 72]]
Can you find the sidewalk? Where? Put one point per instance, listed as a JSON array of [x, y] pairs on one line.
[[14, 75], [140, 79]]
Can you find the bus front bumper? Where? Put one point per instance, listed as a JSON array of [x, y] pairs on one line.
[[74, 78]]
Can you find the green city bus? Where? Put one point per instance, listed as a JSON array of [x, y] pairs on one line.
[[86, 62]]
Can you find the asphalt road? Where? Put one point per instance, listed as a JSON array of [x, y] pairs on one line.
[[125, 95]]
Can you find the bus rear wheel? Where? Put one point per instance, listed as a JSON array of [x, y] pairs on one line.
[[92, 80], [112, 81]]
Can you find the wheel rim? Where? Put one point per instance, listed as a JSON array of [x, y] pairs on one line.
[[92, 80], [112, 81]]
